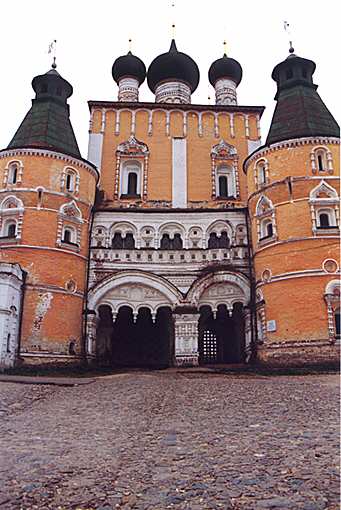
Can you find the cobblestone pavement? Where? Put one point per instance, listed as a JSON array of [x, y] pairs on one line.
[[157, 440]]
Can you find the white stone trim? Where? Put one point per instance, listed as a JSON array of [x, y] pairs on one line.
[[179, 172]]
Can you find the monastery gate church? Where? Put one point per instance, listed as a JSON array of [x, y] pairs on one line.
[[182, 239]]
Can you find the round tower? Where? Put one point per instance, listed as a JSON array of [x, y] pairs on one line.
[[293, 183], [173, 76], [46, 199], [129, 72]]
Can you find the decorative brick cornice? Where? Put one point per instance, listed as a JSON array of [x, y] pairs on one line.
[[286, 144], [51, 154]]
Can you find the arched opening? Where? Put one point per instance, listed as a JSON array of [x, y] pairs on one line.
[[13, 173], [223, 190], [132, 183], [136, 341], [11, 230], [324, 220], [167, 243], [221, 335], [213, 241]]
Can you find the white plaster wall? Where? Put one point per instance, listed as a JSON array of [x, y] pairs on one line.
[[11, 278], [179, 172], [95, 149]]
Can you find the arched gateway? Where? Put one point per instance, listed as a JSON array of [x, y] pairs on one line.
[[137, 318]]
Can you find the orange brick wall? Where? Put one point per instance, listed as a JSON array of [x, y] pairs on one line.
[[52, 313], [296, 303]]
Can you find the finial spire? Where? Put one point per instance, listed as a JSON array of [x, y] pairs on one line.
[[52, 49], [288, 31], [225, 48], [129, 45], [173, 18]]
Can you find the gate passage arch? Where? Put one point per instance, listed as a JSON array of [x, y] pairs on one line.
[[224, 326], [131, 319]]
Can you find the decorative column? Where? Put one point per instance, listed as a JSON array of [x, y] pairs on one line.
[[186, 339], [329, 298], [91, 326]]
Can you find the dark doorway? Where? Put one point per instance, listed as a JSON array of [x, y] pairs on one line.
[[139, 343], [221, 338]]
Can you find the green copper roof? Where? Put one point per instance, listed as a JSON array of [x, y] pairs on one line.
[[47, 124], [300, 112]]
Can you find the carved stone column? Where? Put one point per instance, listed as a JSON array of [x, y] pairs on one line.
[[91, 326], [186, 339]]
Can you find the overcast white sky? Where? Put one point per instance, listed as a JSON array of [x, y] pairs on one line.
[[91, 35]]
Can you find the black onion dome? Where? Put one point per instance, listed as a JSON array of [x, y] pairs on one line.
[[129, 65], [173, 65], [225, 67]]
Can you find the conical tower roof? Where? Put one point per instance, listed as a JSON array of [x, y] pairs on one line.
[[47, 124], [300, 112]]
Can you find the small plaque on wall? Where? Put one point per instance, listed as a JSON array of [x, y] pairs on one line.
[[271, 326]]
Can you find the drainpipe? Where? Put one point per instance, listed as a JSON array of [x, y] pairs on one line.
[[253, 315], [24, 274], [85, 300]]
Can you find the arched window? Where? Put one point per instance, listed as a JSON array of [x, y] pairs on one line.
[[266, 229], [132, 183], [177, 242], [129, 242], [69, 184], [213, 241], [117, 241], [324, 220], [131, 172], [223, 186], [165, 242], [321, 160], [261, 174], [337, 323], [67, 236], [11, 229], [224, 241], [225, 182], [13, 173]]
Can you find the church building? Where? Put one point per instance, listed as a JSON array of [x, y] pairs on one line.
[[182, 239]]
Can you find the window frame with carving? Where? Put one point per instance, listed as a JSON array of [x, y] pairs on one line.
[[69, 218], [131, 152], [327, 204], [321, 156], [264, 217], [17, 165], [11, 212], [224, 162], [262, 165], [73, 174]]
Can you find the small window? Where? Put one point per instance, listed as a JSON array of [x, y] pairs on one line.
[[70, 178], [269, 230], [132, 183], [223, 190], [59, 91], [261, 174], [266, 230], [13, 173], [324, 220], [11, 230], [67, 237], [43, 88]]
